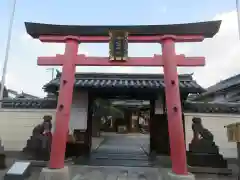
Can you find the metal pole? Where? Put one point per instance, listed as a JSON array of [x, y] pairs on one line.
[[238, 17], [238, 151], [238, 143], [4, 70]]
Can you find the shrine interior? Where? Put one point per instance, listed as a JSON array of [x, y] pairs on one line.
[[120, 116]]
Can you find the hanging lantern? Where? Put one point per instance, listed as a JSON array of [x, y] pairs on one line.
[[118, 46]]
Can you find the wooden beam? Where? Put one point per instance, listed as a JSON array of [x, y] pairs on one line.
[[131, 39], [191, 61], [183, 61], [131, 61], [50, 61], [155, 61]]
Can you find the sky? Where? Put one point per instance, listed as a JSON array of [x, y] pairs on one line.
[[222, 52]]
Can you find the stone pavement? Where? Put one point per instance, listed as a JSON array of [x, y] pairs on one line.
[[119, 150], [117, 173], [121, 173], [125, 173], [120, 157], [108, 173]]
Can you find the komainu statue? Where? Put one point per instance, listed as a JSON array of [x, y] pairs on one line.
[[203, 140], [39, 145], [202, 150]]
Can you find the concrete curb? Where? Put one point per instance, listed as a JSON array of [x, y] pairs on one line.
[[173, 176], [55, 174], [167, 174], [96, 148]]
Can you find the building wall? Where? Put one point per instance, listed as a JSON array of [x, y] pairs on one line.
[[159, 106], [16, 125], [214, 123], [79, 111], [219, 98], [233, 95]]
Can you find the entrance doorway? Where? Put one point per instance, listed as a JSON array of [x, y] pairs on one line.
[[123, 124], [120, 116]]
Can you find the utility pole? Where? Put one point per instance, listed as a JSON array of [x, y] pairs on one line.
[[238, 143], [9, 36], [238, 18]]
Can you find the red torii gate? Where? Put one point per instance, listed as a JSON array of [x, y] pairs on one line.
[[169, 60]]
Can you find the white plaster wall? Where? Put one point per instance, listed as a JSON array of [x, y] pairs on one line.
[[214, 123], [16, 126], [79, 111], [159, 106]]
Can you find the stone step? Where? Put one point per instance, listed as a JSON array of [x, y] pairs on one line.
[[113, 162], [120, 156]]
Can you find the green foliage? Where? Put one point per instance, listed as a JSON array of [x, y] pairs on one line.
[[105, 108]]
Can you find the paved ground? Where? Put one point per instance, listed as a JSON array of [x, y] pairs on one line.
[[120, 157], [96, 141], [109, 173], [119, 150]]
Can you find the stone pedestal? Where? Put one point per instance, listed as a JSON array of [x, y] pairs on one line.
[[54, 174], [206, 160], [1, 147], [205, 153], [173, 176], [2, 161]]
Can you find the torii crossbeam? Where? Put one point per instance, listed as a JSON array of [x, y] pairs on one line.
[[156, 61], [166, 35]]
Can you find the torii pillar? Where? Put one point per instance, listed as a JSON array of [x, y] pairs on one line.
[[174, 110], [64, 104]]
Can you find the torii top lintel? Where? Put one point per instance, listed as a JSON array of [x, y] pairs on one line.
[[190, 32]]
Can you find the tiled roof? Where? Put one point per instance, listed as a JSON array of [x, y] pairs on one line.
[[188, 106], [130, 81], [202, 107], [29, 103], [232, 82]]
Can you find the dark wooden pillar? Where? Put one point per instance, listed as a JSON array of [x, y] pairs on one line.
[[88, 134], [152, 112]]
